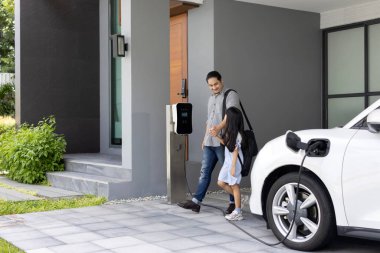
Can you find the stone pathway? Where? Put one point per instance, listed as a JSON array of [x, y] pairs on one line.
[[148, 226]]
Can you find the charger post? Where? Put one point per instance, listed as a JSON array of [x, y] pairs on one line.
[[178, 126]]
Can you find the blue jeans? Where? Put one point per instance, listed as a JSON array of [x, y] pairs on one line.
[[211, 155]]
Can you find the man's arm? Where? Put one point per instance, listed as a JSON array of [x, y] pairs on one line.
[[232, 100], [216, 129], [203, 141]]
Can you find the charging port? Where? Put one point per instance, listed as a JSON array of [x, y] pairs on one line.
[[321, 147]]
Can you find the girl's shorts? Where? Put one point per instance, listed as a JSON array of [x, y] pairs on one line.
[[225, 176]]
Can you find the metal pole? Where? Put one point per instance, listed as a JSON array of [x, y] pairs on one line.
[[175, 161]]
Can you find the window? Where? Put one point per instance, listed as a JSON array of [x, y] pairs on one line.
[[115, 23], [351, 82]]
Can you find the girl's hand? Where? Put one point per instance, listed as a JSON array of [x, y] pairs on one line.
[[233, 171]]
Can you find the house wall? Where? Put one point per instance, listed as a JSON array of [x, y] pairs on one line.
[[145, 89], [59, 71], [271, 56]]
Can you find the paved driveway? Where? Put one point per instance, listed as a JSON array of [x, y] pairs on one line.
[[147, 226]]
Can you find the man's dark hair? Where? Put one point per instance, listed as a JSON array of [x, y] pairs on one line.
[[215, 74]]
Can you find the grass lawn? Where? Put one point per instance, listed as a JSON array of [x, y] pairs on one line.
[[31, 206], [6, 247]]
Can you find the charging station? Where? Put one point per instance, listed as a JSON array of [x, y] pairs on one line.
[[178, 126]]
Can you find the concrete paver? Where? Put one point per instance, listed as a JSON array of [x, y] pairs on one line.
[[148, 226], [8, 194], [41, 191]]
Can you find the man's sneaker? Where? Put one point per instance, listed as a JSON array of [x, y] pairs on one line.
[[234, 216], [230, 208], [188, 204]]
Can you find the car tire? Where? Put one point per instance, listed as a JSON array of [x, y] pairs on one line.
[[314, 226]]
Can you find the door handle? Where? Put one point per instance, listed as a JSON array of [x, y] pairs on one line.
[[183, 89]]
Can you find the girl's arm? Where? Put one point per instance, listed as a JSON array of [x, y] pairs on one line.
[[219, 139], [234, 159]]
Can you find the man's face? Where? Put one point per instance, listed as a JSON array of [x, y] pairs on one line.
[[215, 85]]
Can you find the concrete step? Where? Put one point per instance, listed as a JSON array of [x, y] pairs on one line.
[[106, 170], [109, 187], [97, 164]]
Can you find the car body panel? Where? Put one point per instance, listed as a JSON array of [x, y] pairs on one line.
[[361, 179], [276, 154]]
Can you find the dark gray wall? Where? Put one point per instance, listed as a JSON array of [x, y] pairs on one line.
[[60, 68], [271, 56]]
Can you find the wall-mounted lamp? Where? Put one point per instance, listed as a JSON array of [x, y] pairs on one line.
[[118, 45]]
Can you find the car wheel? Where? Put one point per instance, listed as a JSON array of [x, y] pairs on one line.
[[314, 224]]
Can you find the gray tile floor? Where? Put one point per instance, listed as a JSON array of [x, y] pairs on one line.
[[147, 226]]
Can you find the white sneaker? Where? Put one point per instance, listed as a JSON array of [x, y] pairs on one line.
[[234, 216]]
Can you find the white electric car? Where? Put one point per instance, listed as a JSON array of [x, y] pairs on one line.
[[339, 187]]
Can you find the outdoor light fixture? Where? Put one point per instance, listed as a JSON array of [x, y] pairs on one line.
[[118, 45]]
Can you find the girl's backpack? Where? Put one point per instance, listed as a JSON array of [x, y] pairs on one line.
[[250, 149]]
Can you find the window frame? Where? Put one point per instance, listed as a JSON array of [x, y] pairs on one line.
[[366, 94]]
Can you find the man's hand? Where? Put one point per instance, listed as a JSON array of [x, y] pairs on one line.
[[214, 131], [202, 145]]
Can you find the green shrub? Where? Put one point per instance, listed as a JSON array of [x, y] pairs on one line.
[[29, 152], [7, 99], [7, 123], [5, 127]]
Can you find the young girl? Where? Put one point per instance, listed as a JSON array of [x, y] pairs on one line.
[[230, 174]]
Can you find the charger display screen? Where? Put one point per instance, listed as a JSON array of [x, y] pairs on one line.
[[184, 122]]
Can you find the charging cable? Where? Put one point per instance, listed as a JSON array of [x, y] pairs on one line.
[[307, 152]]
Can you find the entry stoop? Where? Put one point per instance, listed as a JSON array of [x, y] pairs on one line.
[[97, 174]]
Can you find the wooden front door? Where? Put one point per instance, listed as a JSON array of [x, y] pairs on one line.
[[178, 59], [178, 63]]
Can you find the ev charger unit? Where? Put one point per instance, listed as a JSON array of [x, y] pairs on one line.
[[178, 126], [182, 118]]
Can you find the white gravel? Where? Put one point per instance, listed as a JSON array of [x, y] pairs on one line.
[[163, 197]]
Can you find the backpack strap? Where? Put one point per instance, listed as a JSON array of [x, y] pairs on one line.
[[241, 106], [224, 101], [241, 163], [246, 118]]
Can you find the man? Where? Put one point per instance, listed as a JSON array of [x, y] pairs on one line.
[[212, 150]]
